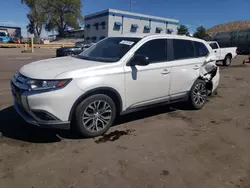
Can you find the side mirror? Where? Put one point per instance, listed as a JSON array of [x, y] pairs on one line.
[[140, 60]]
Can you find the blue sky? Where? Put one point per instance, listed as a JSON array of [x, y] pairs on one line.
[[192, 13]]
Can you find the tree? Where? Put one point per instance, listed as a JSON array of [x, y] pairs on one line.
[[53, 15], [36, 15], [63, 14], [200, 32], [183, 30]]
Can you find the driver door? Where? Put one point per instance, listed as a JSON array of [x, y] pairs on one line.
[[151, 83]]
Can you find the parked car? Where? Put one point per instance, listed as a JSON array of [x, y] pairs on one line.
[[223, 54], [79, 43], [69, 51], [118, 75]]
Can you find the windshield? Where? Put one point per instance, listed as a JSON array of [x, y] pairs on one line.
[[111, 49], [3, 34]]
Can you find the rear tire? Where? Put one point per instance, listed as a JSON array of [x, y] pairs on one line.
[[227, 61], [198, 95], [95, 115]]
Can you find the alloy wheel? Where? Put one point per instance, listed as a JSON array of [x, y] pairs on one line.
[[97, 116], [200, 94]]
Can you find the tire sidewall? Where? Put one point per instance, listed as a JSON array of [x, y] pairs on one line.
[[81, 108], [225, 61], [191, 95]]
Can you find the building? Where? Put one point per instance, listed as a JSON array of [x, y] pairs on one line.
[[112, 22], [14, 32], [75, 33]]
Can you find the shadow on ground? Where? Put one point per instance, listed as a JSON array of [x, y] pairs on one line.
[[12, 126]]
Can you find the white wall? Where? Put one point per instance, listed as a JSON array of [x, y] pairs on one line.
[[112, 19], [141, 20], [173, 27], [91, 32], [127, 22]]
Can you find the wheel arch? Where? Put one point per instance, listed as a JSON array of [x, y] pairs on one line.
[[229, 54], [112, 93]]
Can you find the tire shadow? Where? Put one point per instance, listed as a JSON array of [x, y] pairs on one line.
[[14, 127], [150, 112]]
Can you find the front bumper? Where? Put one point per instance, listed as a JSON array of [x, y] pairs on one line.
[[48, 109], [43, 124]]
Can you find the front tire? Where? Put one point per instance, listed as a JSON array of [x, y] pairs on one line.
[[227, 61], [95, 115], [198, 95]]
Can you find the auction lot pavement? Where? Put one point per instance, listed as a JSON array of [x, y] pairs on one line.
[[168, 146]]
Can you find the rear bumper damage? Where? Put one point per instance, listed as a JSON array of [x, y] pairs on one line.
[[211, 74]]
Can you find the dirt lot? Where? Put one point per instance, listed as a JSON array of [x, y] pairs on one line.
[[161, 147]]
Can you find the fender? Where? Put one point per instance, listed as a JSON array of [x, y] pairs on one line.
[[98, 90]]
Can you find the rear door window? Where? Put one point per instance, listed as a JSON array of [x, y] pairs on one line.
[[183, 49], [201, 49]]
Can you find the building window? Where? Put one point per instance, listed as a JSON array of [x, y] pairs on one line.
[[117, 26], [146, 29], [103, 24], [96, 26], [87, 26], [169, 31], [134, 28], [158, 30]]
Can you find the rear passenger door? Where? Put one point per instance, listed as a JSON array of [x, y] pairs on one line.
[[185, 67]]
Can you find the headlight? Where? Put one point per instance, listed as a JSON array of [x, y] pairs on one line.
[[47, 84]]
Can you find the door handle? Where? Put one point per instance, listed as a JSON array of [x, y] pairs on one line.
[[165, 71], [196, 67]]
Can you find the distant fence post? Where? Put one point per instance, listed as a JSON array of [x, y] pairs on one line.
[[32, 44]]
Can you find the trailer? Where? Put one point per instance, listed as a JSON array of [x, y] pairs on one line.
[[239, 38]]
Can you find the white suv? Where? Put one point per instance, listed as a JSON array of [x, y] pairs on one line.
[[115, 76]]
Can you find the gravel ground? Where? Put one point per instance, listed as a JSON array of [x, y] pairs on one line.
[[167, 146]]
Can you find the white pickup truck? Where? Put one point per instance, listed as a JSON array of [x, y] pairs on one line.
[[223, 54]]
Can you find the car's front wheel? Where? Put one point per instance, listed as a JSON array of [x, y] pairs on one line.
[[95, 115], [198, 94]]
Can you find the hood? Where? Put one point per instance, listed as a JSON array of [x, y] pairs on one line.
[[50, 68]]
